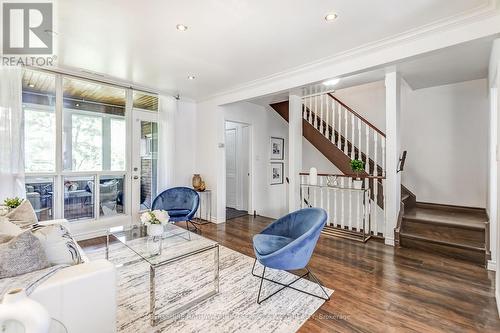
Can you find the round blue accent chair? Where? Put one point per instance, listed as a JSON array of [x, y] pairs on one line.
[[181, 203], [288, 244]]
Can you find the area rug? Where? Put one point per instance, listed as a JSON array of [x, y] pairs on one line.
[[233, 309]]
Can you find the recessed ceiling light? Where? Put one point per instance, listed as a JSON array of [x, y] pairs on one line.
[[191, 77], [181, 27], [331, 82], [331, 16], [31, 85]]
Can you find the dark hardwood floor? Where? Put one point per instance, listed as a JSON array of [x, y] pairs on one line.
[[380, 288]]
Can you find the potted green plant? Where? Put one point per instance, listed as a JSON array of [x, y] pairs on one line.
[[357, 166], [9, 204]]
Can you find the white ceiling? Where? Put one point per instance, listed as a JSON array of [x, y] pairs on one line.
[[459, 63], [229, 42]]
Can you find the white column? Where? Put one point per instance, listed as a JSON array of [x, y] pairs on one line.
[[393, 147], [294, 150]]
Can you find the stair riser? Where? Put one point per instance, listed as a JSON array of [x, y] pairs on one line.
[[444, 233], [474, 256]]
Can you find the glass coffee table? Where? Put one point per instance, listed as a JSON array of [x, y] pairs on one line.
[[174, 245]]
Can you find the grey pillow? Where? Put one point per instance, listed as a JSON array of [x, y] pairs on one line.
[[22, 254]]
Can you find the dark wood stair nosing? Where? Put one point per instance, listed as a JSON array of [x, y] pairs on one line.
[[444, 243], [478, 227]]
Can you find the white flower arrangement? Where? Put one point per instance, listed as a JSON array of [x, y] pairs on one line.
[[155, 217]]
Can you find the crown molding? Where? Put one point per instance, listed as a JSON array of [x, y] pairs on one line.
[[480, 13]]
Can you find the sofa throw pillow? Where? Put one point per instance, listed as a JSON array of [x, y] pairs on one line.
[[60, 248], [22, 254], [8, 230], [23, 215]]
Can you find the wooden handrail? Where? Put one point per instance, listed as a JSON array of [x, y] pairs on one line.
[[342, 175], [357, 115]]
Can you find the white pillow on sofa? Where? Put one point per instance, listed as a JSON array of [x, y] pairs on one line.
[[8, 230], [58, 244]]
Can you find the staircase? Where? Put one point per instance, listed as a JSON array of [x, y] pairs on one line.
[[341, 134], [455, 232]]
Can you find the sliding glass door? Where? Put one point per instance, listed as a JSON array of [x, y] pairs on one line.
[[90, 149]]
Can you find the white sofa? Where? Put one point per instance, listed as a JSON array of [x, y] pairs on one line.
[[82, 297]]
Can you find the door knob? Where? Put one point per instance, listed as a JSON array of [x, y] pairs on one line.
[[136, 177]]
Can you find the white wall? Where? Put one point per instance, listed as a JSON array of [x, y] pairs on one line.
[[312, 157], [445, 130], [368, 100], [185, 141]]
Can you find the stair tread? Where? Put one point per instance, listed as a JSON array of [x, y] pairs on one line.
[[475, 246], [457, 218]]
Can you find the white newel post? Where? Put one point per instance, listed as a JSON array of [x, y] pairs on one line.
[[294, 151], [393, 147]]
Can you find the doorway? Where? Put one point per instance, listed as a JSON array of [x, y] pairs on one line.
[[238, 173]]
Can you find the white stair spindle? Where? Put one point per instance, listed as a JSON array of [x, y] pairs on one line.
[[339, 121], [382, 144], [329, 217], [327, 120], [335, 213], [321, 124], [375, 150], [353, 155], [342, 203], [350, 206], [360, 146], [345, 132], [359, 203], [367, 152], [321, 194], [333, 122]]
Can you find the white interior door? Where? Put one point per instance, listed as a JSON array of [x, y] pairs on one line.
[[245, 166], [231, 168], [144, 161]]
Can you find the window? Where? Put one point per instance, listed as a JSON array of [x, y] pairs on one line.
[[39, 192], [94, 126], [39, 121], [76, 159]]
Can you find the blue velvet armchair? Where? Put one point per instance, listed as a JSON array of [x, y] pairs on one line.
[[288, 244], [181, 203]]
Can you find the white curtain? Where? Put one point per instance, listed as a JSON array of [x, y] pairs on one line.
[[166, 142], [11, 133]]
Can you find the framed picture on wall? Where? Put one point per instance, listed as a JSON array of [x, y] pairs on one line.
[[276, 175], [277, 148]]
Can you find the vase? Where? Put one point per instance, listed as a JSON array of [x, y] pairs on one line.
[[196, 181], [155, 230], [202, 187], [18, 308], [357, 184]]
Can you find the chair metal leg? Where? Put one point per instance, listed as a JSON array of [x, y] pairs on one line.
[[260, 286], [289, 285], [196, 229]]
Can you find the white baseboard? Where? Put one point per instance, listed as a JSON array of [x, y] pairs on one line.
[[498, 300], [491, 265], [389, 241]]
